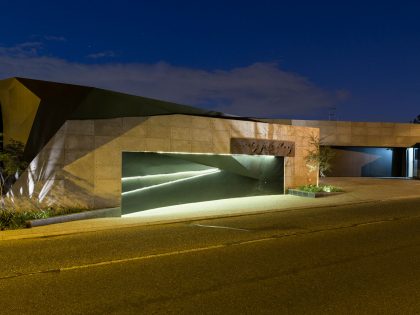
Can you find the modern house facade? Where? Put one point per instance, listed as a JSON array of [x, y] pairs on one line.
[[93, 148]]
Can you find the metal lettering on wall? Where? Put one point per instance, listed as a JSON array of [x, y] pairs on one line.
[[262, 147]]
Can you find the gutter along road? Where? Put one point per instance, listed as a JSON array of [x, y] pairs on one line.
[[354, 259]]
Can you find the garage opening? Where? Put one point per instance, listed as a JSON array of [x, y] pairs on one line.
[[369, 162], [153, 180]]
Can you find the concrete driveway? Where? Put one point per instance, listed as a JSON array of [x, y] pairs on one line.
[[359, 189]]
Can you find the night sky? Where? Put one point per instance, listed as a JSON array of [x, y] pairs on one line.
[[288, 59]]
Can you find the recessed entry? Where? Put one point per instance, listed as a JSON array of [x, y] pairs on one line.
[[153, 180]]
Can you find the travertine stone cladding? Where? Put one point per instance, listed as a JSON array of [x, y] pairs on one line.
[[377, 134], [87, 153]]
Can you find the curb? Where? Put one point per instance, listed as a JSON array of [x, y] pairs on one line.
[[31, 234], [92, 214]]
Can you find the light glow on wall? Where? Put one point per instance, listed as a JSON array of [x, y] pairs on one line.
[[169, 175], [201, 153], [410, 162], [203, 173]]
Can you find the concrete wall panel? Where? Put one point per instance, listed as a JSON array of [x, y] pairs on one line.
[[202, 134], [377, 134], [180, 145]]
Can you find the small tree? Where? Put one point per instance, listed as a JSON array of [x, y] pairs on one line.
[[12, 163], [319, 156]]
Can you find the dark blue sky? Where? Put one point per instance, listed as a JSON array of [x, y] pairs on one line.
[[362, 57]]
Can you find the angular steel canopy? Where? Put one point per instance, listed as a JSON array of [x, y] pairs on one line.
[[33, 110]]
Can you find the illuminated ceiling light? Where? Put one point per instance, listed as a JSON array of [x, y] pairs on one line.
[[176, 174], [171, 182], [198, 153]]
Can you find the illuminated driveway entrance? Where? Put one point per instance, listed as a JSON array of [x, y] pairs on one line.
[[153, 180]]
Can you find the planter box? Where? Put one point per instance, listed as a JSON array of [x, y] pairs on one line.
[[300, 193]]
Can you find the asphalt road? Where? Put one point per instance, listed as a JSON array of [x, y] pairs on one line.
[[360, 259]]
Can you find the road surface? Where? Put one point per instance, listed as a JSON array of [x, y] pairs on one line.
[[359, 259]]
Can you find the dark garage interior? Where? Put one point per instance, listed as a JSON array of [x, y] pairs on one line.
[[369, 162]]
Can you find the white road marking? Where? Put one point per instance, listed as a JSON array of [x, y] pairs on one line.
[[205, 248], [117, 261]]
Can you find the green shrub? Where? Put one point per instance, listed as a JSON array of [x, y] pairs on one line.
[[17, 219], [13, 220], [320, 188], [12, 163], [310, 188], [319, 156], [331, 188]]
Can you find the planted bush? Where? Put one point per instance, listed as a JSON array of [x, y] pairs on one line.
[[15, 220], [14, 212], [320, 188]]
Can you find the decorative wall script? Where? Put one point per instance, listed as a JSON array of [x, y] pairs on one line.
[[262, 147]]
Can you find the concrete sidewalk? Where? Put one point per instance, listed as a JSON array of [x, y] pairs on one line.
[[357, 190]]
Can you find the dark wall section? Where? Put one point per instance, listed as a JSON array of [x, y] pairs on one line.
[[1, 128], [153, 180], [368, 162], [399, 162]]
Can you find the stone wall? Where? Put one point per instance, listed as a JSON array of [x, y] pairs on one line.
[[81, 164], [374, 134]]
